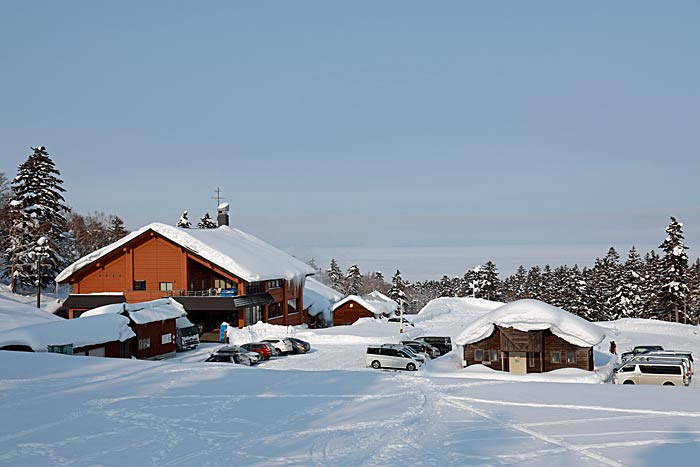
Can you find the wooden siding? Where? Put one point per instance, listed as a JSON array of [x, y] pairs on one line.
[[506, 340], [114, 349], [350, 312], [154, 332]]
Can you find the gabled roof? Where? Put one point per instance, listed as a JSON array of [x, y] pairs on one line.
[[235, 251], [375, 302], [533, 315], [79, 332]]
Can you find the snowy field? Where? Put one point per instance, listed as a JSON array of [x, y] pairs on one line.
[[327, 408]]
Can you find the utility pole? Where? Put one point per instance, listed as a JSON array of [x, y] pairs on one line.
[[218, 197]]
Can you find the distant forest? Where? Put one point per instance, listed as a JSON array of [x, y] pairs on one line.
[[654, 286]]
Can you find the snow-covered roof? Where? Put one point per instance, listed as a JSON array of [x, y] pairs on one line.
[[242, 254], [142, 313], [79, 332], [319, 298], [532, 315], [15, 314], [379, 304]]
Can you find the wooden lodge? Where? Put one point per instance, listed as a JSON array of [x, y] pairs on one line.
[[218, 275], [522, 352], [353, 307], [529, 336]]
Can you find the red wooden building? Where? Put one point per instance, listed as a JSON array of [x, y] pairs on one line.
[[529, 336], [353, 307], [218, 275]]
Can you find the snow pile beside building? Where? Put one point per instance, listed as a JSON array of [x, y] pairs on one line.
[[79, 332], [15, 314], [319, 298], [533, 315], [375, 302], [242, 254], [455, 307], [142, 313]]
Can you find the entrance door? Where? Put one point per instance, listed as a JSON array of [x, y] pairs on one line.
[[517, 363]]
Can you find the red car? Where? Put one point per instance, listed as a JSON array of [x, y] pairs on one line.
[[258, 347]]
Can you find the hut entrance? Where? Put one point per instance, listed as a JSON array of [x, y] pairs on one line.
[[517, 363]]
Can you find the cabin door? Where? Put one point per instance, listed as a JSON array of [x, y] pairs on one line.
[[517, 363]]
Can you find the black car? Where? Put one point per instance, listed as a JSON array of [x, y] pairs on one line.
[[300, 346], [442, 343], [232, 355], [421, 346], [640, 350]]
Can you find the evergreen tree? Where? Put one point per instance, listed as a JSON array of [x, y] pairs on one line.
[[446, 287], [515, 285], [335, 277], [651, 284], [397, 292], [674, 279], [184, 222], [205, 222], [491, 288], [693, 301], [117, 230], [606, 275], [628, 296], [36, 211], [533, 284], [353, 280]]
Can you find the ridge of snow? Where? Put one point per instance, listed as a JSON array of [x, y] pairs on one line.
[[534, 315], [144, 312], [240, 253], [79, 332]]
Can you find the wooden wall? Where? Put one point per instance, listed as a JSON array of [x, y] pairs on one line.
[[154, 331], [113, 349], [490, 343], [350, 312]]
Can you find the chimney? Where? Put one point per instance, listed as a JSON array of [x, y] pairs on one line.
[[222, 214]]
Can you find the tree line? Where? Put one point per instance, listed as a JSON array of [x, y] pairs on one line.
[[652, 286], [39, 233]]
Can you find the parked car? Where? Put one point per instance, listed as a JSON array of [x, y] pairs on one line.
[[429, 350], [651, 372], [284, 346], [274, 351], [638, 350], [398, 320], [648, 357], [234, 354], [442, 343], [300, 344], [675, 353], [420, 356], [391, 357], [258, 347]]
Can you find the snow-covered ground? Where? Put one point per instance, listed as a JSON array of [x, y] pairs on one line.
[[327, 408]]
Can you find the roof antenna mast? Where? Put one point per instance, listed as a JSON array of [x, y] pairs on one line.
[[218, 197]]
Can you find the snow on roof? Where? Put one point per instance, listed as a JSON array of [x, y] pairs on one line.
[[531, 315], [319, 298], [79, 332], [142, 313], [377, 303], [242, 254], [15, 314]]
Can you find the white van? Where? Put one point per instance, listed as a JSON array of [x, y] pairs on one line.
[[687, 366], [391, 357], [652, 372]]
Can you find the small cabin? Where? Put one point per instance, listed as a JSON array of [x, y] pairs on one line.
[[354, 307], [529, 336]]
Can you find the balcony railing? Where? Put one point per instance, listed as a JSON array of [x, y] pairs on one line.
[[202, 293]]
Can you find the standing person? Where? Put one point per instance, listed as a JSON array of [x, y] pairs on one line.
[[613, 348]]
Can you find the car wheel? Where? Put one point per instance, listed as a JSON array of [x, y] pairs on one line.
[[668, 383], [628, 382], [411, 367], [376, 365]]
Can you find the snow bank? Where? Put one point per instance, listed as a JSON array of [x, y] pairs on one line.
[[531, 315], [319, 298], [79, 332], [14, 314], [242, 254], [377, 303], [447, 307], [142, 313]]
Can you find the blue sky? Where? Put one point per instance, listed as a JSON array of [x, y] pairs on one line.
[[474, 125]]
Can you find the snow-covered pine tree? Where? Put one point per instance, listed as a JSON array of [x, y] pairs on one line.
[[353, 280], [335, 276], [693, 301], [516, 285], [37, 211], [397, 292], [674, 281], [184, 222], [446, 287], [533, 283], [491, 284], [651, 284], [628, 296], [607, 276], [206, 222]]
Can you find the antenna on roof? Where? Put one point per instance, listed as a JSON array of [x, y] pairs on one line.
[[218, 196]]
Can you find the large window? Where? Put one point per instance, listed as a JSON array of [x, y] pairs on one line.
[[570, 357], [479, 355], [274, 310], [292, 306], [145, 343], [276, 284], [253, 287], [493, 355], [220, 283]]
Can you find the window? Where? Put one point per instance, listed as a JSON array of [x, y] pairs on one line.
[[253, 287], [145, 343], [66, 349], [274, 310], [479, 355], [139, 285], [493, 355], [220, 283], [627, 369], [165, 286], [660, 370], [556, 357], [166, 338], [531, 359], [276, 284], [570, 357], [291, 306]]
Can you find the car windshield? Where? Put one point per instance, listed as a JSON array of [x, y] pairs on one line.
[[190, 331]]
